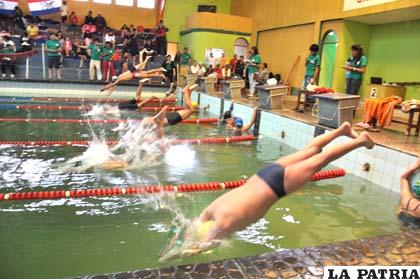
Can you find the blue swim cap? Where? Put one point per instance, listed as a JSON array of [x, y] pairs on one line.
[[239, 122], [415, 183]]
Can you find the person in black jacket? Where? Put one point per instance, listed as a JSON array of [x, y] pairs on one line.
[[89, 19]]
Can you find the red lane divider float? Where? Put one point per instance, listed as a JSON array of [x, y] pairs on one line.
[[144, 190], [113, 142], [112, 121], [97, 100], [35, 107]]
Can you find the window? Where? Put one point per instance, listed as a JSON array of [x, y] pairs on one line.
[[148, 4], [124, 2], [103, 1]]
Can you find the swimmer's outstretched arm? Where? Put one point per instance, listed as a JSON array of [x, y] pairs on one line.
[[251, 122], [243, 206]]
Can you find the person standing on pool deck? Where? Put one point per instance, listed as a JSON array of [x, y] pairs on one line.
[[409, 209], [253, 66], [243, 206], [357, 68], [53, 49], [312, 64]]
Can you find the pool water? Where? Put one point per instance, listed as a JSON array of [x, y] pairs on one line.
[[70, 237]]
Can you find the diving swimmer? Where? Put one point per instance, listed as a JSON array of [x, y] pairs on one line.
[[134, 72], [243, 206]]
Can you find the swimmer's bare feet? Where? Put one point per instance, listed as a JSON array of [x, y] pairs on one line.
[[348, 130], [163, 69], [367, 140]]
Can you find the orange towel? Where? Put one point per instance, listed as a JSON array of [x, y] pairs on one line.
[[380, 109]]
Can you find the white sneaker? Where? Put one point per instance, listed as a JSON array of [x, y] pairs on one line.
[[12, 76], [3, 75]]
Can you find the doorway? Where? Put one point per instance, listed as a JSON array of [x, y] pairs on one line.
[[328, 58], [241, 47]]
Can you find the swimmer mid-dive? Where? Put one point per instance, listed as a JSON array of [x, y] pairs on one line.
[[243, 206], [409, 208], [137, 103], [134, 72]]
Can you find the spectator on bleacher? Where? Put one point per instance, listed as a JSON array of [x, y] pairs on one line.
[[212, 60], [87, 39], [89, 20], [25, 44], [233, 62], [64, 9], [73, 19], [210, 70], [125, 48], [194, 68], [53, 49], [88, 24], [218, 71], [8, 61], [82, 54], [170, 68], [161, 43], [124, 31], [60, 37], [110, 37], [32, 31], [177, 59], [18, 19], [7, 42], [3, 33], [117, 61], [146, 51], [240, 67], [107, 64], [94, 51], [223, 60], [226, 72], [68, 46], [100, 23], [185, 57], [202, 70]]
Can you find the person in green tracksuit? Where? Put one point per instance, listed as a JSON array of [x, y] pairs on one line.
[[357, 67], [253, 62], [53, 49], [107, 53], [312, 63]]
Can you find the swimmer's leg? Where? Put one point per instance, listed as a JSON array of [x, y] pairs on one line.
[[189, 109], [317, 145], [140, 89], [171, 88], [298, 174]]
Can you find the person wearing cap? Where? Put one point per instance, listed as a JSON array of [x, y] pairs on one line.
[[312, 63], [409, 208], [357, 68], [236, 123], [106, 53], [8, 61]]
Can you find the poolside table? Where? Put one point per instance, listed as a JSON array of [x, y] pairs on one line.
[[306, 102]]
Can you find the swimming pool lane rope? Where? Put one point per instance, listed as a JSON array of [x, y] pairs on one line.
[[144, 190], [82, 100], [219, 140], [110, 121], [85, 108]]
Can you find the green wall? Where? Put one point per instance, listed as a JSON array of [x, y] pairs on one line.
[[198, 41], [176, 11], [394, 54]]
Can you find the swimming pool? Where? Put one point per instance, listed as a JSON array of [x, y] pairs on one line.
[[69, 237]]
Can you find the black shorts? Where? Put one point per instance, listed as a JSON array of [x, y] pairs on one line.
[[131, 68], [53, 62], [173, 118], [128, 106], [64, 19], [273, 175]]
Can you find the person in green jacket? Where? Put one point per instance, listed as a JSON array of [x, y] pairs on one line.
[[312, 63], [253, 62], [107, 53], [185, 57], [357, 68], [53, 49]]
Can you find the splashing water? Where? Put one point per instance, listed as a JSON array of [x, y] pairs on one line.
[[98, 110]]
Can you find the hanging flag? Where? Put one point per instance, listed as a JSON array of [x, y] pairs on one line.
[[44, 7], [7, 7]]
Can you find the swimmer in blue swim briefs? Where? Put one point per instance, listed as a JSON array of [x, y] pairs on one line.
[[243, 206]]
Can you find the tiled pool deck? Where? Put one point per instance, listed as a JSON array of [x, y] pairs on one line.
[[306, 263]]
